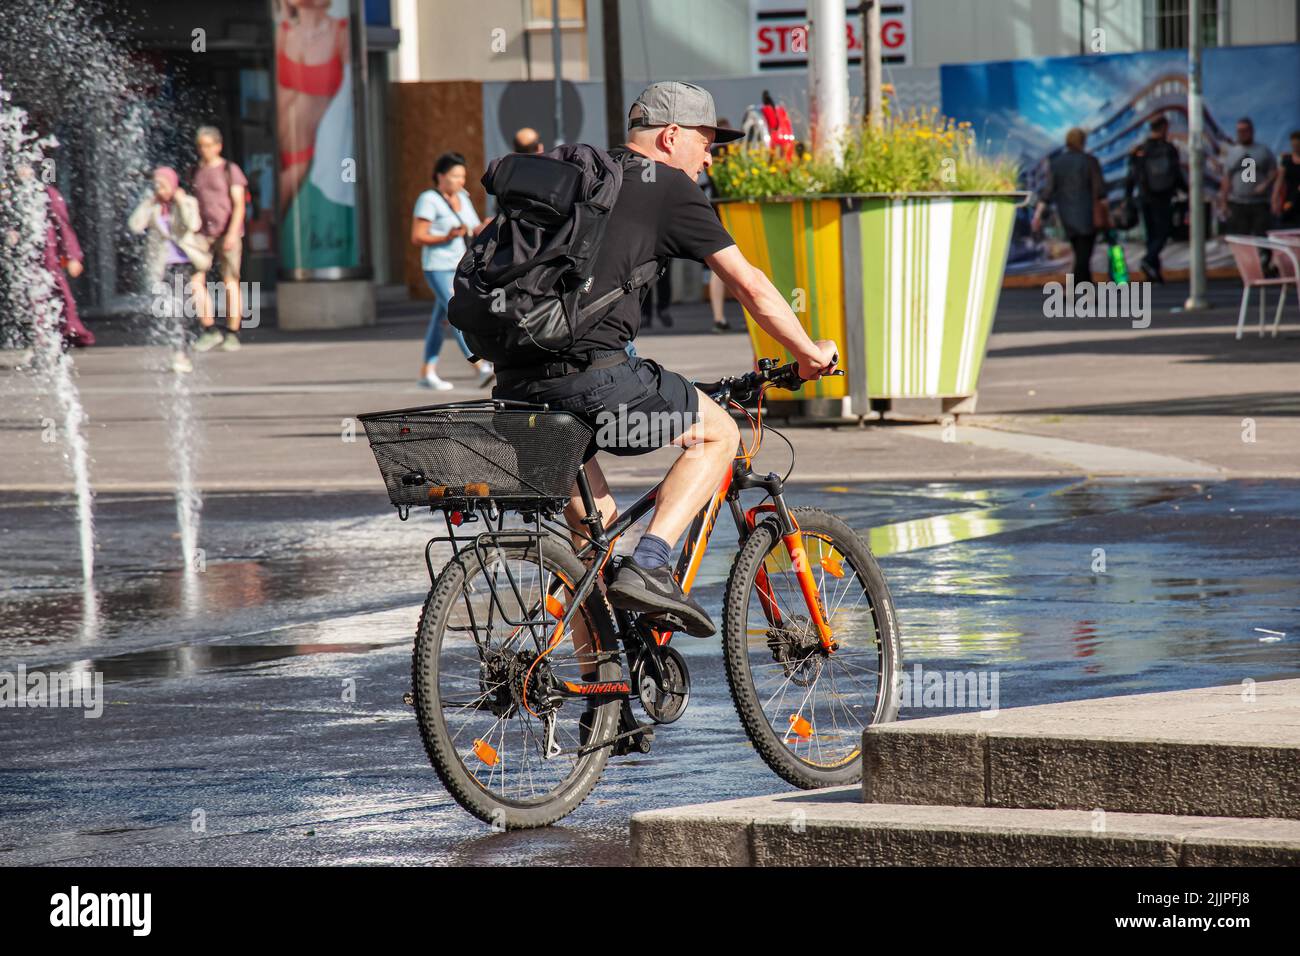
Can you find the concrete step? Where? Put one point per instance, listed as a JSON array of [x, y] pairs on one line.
[[1215, 752], [835, 828]]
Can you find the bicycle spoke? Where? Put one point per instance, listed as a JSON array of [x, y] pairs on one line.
[[481, 676], [838, 692]]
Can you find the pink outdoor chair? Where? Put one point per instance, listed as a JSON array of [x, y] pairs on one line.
[[1245, 250]]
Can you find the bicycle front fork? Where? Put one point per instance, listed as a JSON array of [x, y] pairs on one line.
[[793, 540]]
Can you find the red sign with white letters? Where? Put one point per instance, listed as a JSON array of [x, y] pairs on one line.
[[781, 34]]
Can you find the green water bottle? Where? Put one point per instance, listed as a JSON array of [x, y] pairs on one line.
[[1115, 253]]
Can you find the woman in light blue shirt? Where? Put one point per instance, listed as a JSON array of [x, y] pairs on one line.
[[444, 217]]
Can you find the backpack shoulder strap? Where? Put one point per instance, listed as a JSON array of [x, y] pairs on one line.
[[640, 277]]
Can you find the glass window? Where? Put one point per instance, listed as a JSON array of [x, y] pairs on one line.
[[1166, 24], [572, 12]]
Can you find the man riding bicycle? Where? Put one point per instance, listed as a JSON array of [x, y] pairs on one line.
[[660, 214]]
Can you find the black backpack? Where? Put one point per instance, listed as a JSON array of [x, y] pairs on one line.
[[1159, 169], [516, 292]]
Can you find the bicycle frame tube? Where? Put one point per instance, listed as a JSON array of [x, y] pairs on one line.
[[738, 478]]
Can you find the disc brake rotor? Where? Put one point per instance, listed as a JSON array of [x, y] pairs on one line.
[[794, 645]]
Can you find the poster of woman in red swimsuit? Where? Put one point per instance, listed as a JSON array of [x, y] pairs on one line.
[[314, 118]]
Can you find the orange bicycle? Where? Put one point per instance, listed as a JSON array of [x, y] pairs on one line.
[[524, 676]]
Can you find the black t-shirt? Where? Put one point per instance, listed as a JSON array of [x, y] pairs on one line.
[[661, 217]]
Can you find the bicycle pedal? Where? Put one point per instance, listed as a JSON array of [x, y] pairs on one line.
[[639, 741], [666, 621]]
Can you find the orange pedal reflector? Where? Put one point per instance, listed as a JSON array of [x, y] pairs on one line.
[[800, 727], [833, 566], [485, 752], [553, 606]]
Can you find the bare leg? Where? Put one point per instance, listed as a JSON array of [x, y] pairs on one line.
[[717, 294], [573, 514], [234, 317], [694, 477], [199, 289]]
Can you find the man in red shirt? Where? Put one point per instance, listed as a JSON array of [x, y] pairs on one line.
[[219, 185]]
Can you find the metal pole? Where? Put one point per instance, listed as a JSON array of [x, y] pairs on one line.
[[557, 52], [829, 75], [873, 98], [360, 135], [1195, 165], [615, 118]]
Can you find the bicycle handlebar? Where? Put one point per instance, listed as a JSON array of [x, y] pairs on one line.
[[741, 388]]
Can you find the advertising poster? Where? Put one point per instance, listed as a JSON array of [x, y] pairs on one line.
[[317, 167], [1023, 109]]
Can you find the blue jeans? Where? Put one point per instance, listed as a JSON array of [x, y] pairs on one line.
[[440, 282]]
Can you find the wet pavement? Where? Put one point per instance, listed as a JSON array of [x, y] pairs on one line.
[[253, 708]]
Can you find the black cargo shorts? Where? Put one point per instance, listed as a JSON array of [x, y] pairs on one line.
[[633, 408]]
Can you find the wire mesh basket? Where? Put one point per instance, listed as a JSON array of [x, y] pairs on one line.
[[518, 456]]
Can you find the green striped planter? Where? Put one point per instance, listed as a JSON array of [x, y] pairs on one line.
[[915, 277]]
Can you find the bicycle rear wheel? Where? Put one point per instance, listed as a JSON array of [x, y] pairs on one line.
[[804, 709], [484, 686]]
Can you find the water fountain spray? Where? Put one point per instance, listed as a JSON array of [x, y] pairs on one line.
[[31, 306]]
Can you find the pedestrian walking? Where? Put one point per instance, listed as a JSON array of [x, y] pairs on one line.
[[717, 288], [1155, 173], [174, 249], [1286, 194], [64, 260], [1246, 188], [443, 217], [1076, 188], [220, 187]]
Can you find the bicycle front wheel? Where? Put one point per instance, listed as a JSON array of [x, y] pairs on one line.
[[486, 669], [803, 708]]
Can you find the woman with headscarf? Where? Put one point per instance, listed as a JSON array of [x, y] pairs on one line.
[[169, 218]]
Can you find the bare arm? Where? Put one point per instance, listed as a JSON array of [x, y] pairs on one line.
[[235, 230], [772, 313], [421, 236]]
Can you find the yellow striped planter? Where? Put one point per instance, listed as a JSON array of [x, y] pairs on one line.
[[907, 285]]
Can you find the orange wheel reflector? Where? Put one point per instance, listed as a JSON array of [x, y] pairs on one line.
[[800, 727], [833, 566], [485, 752], [553, 606]]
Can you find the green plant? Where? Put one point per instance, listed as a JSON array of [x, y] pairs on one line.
[[914, 152]]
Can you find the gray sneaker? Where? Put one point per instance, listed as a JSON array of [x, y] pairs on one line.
[[231, 343], [210, 339], [654, 593]]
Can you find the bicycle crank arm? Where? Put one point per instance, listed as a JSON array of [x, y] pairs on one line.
[[607, 742]]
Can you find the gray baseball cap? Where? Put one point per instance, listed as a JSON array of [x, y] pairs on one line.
[[682, 103]]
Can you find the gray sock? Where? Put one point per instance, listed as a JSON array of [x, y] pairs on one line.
[[652, 552]]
